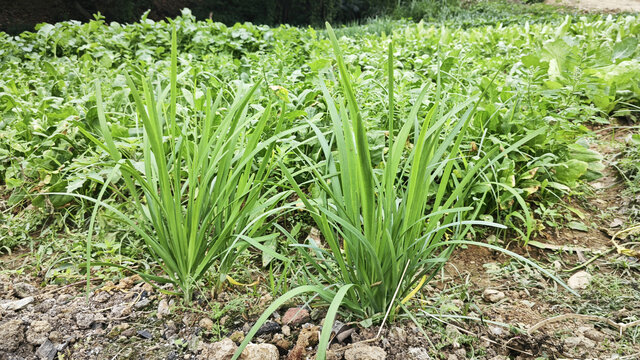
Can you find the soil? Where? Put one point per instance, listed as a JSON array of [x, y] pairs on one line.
[[600, 5], [130, 319]]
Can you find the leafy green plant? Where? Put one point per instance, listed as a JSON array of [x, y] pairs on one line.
[[200, 185], [388, 229]]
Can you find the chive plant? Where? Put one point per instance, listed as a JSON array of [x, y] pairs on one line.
[[201, 189]]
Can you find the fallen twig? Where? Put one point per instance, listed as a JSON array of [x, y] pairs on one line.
[[620, 326]]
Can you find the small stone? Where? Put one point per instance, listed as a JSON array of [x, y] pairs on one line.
[[341, 337], [365, 352], [221, 350], [237, 337], [286, 330], [492, 295], [163, 308], [145, 334], [47, 351], [12, 334], [64, 298], [206, 323], [101, 297], [572, 342], [84, 320], [17, 304], [617, 222], [452, 357], [260, 352], [120, 311], [268, 328], [23, 290], [282, 343], [496, 331], [38, 332], [398, 334], [579, 280], [416, 353], [55, 336], [461, 353], [594, 335], [45, 306], [142, 303], [296, 316]]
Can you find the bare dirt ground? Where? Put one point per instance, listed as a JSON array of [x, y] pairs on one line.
[[600, 5]]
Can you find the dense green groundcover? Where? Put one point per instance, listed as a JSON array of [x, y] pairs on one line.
[[498, 82]]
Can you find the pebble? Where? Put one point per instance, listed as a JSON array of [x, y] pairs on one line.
[[492, 295], [268, 328], [47, 351], [496, 331], [365, 352], [416, 353], [206, 323], [145, 334], [260, 352], [17, 304], [45, 306], [237, 337], [398, 334], [84, 320], [163, 308], [579, 280], [282, 343], [286, 330], [23, 290], [221, 350], [142, 303], [590, 333], [576, 341], [296, 316]]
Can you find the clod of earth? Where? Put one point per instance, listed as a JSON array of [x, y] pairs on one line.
[[12, 334]]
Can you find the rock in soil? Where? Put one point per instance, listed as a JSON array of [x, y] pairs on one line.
[[221, 350], [206, 323], [579, 280], [47, 351], [416, 353], [268, 328], [17, 304], [296, 316], [365, 352], [163, 308], [578, 341], [84, 320], [237, 337], [23, 290], [492, 295], [282, 343], [260, 352]]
